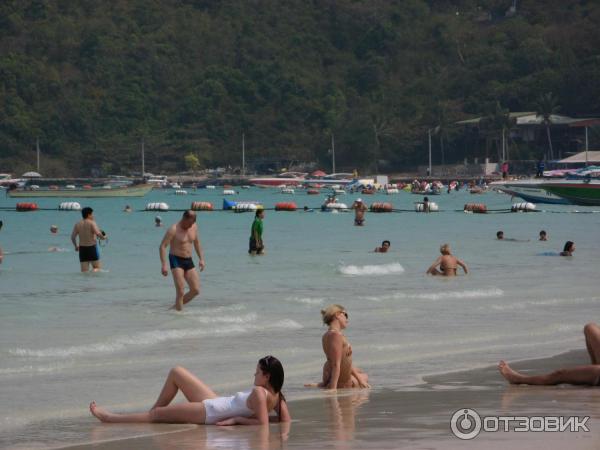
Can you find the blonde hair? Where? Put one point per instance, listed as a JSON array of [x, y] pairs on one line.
[[329, 313], [445, 249]]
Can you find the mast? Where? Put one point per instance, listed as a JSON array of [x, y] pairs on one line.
[[37, 148], [143, 160], [243, 154], [586, 146], [333, 153]]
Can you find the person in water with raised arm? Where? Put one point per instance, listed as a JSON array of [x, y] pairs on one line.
[[448, 263], [582, 375], [205, 407], [338, 370]]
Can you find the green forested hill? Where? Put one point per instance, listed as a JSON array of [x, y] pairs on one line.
[[91, 78]]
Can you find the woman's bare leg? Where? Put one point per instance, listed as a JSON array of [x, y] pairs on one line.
[[592, 341], [586, 375], [191, 386], [192, 412]]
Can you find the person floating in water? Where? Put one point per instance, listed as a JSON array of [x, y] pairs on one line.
[[385, 246], [127, 209], [543, 236], [448, 263], [500, 235], [359, 212], [568, 249], [180, 238], [158, 221], [204, 407], [338, 370], [53, 229], [582, 375], [256, 244], [88, 233]]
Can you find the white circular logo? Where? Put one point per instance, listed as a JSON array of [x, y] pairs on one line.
[[465, 424]]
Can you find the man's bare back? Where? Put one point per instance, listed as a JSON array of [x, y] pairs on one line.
[[87, 230], [447, 263]]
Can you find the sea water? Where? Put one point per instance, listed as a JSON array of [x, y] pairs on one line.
[[67, 338]]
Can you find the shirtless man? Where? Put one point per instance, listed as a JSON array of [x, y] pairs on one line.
[[359, 212], [181, 237], [88, 232], [448, 263]]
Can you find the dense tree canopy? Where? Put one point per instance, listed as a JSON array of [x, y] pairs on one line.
[[91, 78]]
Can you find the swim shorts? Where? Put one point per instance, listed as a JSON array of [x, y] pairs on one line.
[[178, 262], [255, 248], [88, 253]]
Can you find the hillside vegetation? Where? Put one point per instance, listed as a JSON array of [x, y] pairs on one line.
[[91, 78]]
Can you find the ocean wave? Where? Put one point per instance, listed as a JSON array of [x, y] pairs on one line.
[[536, 303], [371, 269], [305, 300], [476, 293], [236, 326]]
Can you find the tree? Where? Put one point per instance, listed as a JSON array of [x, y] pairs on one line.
[[546, 106], [192, 162]]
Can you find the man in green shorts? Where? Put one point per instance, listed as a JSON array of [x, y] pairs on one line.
[[257, 246]]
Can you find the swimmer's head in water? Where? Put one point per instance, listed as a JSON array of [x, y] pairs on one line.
[[1, 224], [500, 234], [445, 249], [86, 212], [53, 229], [386, 244], [271, 366], [569, 246], [543, 235], [329, 313]]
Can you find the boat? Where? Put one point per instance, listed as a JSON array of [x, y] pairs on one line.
[[138, 190], [340, 179], [530, 190], [7, 180], [286, 178], [577, 191]]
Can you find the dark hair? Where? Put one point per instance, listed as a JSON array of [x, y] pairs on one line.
[[388, 243], [86, 212], [568, 246], [499, 233], [258, 211], [1, 223], [425, 199], [543, 232], [189, 214], [272, 366]]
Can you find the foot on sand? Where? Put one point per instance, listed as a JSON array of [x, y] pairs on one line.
[[510, 374], [100, 413]]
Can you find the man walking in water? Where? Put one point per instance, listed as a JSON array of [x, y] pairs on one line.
[[359, 212], [257, 246], [180, 237], [88, 231]]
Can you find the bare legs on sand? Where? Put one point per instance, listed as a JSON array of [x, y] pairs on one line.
[[582, 375], [192, 411]]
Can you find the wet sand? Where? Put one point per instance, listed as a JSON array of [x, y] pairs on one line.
[[413, 417]]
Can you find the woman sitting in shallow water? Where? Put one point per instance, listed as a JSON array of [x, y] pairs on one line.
[[582, 375], [203, 406], [338, 371]]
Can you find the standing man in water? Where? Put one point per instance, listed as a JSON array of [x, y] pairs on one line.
[[359, 212], [180, 237], [257, 246], [88, 233]]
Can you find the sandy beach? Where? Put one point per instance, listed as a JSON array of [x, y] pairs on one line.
[[412, 417]]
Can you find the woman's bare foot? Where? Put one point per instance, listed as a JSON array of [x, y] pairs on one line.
[[511, 375], [100, 413]]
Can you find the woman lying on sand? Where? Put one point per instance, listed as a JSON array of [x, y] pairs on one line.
[[338, 371], [584, 375], [251, 407]]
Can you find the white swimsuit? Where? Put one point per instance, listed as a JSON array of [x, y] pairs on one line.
[[225, 407]]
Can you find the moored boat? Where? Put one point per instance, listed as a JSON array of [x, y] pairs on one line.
[[579, 192], [126, 191]]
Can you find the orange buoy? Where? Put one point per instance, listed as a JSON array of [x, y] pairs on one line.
[[27, 206], [381, 207], [476, 208], [202, 206], [286, 206], [313, 192]]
